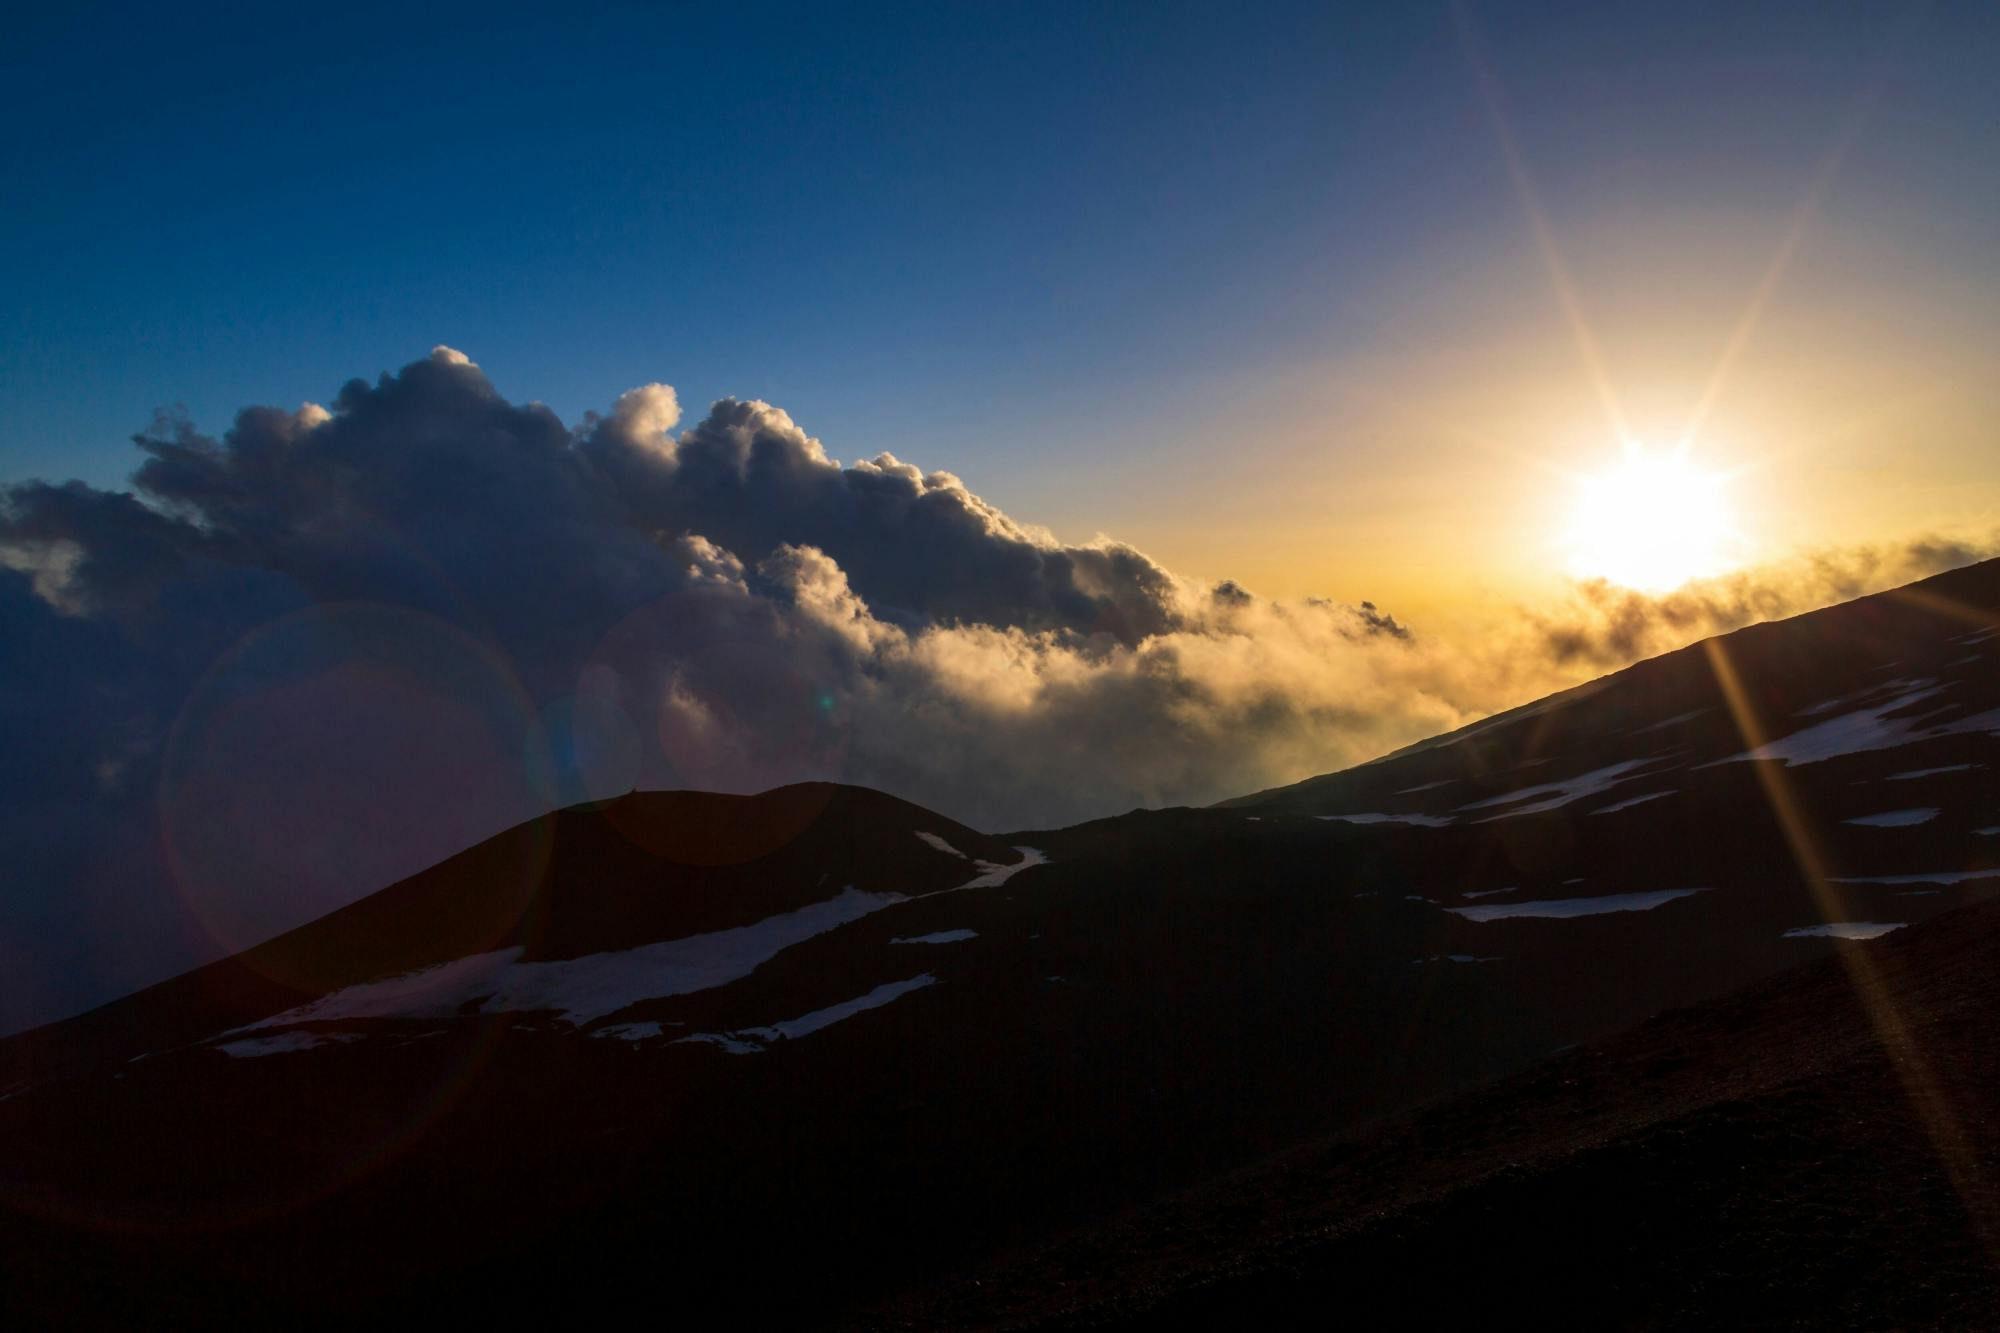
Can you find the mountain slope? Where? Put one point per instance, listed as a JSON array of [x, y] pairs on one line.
[[651, 866], [1819, 1150], [783, 1056]]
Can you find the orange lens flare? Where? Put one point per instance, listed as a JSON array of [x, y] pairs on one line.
[[1941, 1121]]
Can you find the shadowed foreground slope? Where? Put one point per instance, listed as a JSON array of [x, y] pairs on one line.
[[792, 1056], [1776, 1158]]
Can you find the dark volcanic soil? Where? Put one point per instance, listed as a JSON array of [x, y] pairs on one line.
[[775, 1059], [1820, 1151]]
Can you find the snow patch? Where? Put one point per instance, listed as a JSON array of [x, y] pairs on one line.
[[595, 986], [939, 843], [1569, 907], [1845, 930], [1905, 683], [629, 1031], [1627, 804], [1422, 821], [283, 1043], [1933, 772], [1558, 794], [1868, 729], [1894, 818], [729, 1044], [938, 937], [1673, 721], [585, 989], [827, 1017], [1934, 877], [749, 1041], [992, 876]]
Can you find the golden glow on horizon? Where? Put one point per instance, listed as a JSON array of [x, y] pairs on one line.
[[1653, 522], [1438, 465]]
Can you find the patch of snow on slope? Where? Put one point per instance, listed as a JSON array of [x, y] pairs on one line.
[[729, 1044], [1424, 821], [1558, 794], [1569, 907], [1894, 818], [629, 1031], [283, 1043], [939, 843], [1627, 804], [1934, 877], [827, 1017], [1428, 786], [938, 937], [1867, 729], [1933, 772], [587, 988], [991, 876], [748, 1041], [1906, 684], [1666, 722], [1845, 930]]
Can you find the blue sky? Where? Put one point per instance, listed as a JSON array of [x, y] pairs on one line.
[[820, 205], [1055, 248]]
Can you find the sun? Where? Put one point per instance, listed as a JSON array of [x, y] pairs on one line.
[[1653, 522]]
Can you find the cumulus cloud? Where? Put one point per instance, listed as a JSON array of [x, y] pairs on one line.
[[338, 643]]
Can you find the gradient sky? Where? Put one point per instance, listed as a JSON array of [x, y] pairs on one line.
[[1258, 293]]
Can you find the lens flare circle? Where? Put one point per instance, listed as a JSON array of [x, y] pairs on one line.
[[333, 751]]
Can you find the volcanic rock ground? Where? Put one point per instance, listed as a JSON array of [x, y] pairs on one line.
[[1409, 1042]]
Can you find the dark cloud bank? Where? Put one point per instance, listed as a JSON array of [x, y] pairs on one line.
[[336, 645]]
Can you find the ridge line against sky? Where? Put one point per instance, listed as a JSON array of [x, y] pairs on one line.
[[1268, 432]]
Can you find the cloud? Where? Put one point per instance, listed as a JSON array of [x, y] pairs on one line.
[[1603, 625], [748, 478], [339, 643]]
